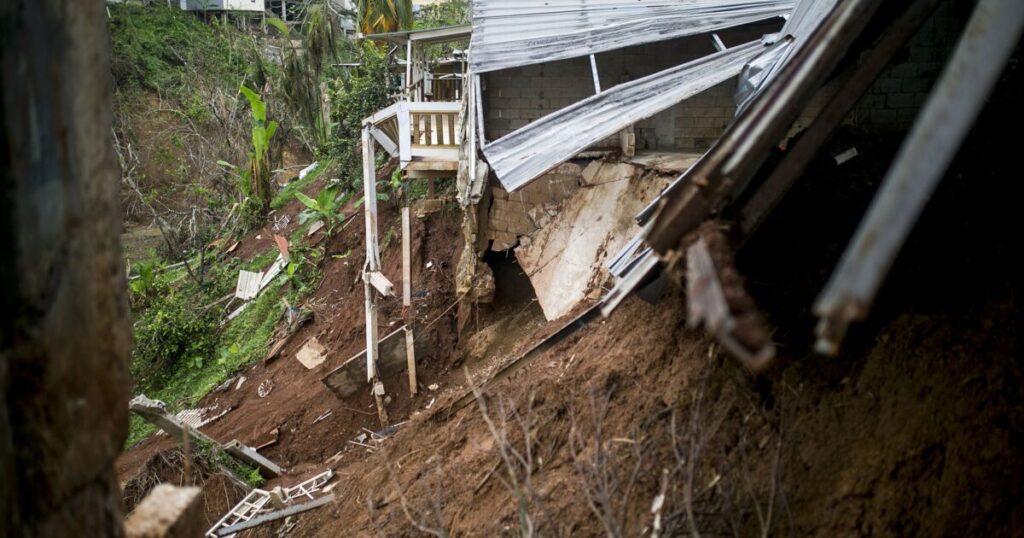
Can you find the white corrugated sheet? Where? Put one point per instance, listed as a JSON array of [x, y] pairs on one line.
[[526, 153], [510, 33]]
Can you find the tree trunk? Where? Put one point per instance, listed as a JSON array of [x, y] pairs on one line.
[[64, 326]]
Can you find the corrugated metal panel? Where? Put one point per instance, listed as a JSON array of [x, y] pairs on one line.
[[510, 33], [524, 154]]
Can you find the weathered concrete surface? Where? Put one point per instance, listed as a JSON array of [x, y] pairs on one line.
[[64, 332], [350, 377], [167, 512], [566, 258]]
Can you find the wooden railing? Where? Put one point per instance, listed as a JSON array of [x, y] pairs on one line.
[[418, 130]]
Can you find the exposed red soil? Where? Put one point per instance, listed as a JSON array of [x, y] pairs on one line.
[[298, 396]]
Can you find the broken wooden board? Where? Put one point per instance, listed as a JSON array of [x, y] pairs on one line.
[[380, 283], [312, 354], [350, 377], [155, 412]]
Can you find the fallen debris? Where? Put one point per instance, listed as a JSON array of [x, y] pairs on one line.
[[248, 285], [274, 516], [272, 437], [249, 455], [716, 297], [155, 412], [265, 387], [305, 171], [846, 156], [350, 377], [312, 354], [167, 512], [328, 413]]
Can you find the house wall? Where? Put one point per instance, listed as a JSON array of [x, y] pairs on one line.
[[515, 97], [893, 101]]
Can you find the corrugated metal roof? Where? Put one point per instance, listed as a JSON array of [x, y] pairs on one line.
[[510, 33], [526, 153], [443, 34]]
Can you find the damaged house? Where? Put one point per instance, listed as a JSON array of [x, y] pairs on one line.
[[608, 146]]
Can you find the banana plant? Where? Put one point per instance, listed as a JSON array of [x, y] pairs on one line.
[[324, 207], [259, 162]]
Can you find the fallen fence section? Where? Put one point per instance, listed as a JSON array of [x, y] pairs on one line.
[[274, 516], [246, 514]]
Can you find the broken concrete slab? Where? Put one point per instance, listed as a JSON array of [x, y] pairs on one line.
[[598, 172], [312, 354], [167, 512], [566, 259], [350, 377], [155, 412], [249, 455]]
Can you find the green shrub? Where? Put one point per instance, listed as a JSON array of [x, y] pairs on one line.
[[356, 94], [172, 333]]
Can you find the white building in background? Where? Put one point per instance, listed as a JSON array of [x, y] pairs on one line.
[[222, 5]]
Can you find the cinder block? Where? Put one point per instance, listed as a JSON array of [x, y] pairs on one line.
[[899, 100]]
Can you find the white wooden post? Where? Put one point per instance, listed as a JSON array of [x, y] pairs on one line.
[[372, 265], [410, 347]]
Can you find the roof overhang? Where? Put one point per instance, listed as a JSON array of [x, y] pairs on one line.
[[428, 36]]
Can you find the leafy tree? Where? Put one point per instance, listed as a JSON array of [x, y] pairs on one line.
[[379, 16]]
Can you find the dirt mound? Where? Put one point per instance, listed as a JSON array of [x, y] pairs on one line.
[[220, 490]]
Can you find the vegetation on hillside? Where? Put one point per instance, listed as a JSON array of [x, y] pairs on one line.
[[204, 110]]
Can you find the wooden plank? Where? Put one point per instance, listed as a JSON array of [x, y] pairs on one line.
[[446, 136], [404, 136], [478, 106], [406, 258], [957, 98], [372, 262], [381, 283], [347, 380], [385, 142], [410, 348]]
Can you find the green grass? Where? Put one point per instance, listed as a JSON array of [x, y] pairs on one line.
[[242, 341]]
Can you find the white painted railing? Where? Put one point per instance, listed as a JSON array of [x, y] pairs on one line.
[[418, 130]]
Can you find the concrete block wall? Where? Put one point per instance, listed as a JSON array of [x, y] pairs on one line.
[[515, 97], [521, 213], [893, 101]]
